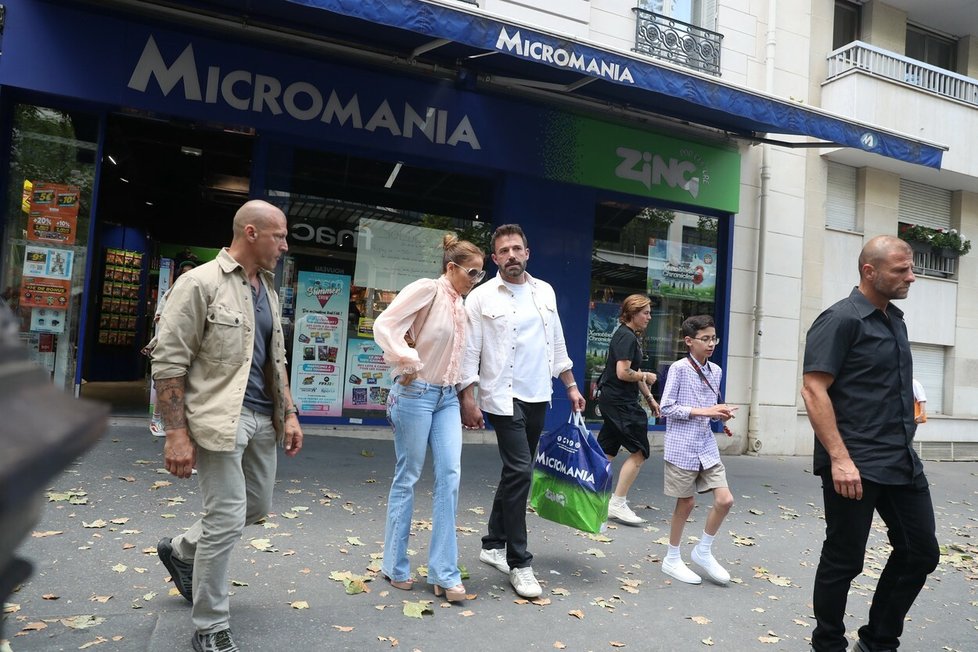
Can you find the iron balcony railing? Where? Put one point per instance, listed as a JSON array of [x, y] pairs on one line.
[[881, 63], [673, 40]]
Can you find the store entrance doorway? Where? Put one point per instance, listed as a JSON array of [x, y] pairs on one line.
[[168, 192]]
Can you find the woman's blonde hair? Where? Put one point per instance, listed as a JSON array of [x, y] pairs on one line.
[[632, 305], [458, 250]]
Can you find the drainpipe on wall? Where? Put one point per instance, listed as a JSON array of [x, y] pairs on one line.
[[753, 420]]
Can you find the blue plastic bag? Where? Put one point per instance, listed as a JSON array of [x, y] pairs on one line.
[[571, 477]]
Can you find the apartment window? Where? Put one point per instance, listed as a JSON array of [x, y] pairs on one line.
[[845, 28], [924, 205], [931, 207], [840, 199], [928, 369], [702, 13], [930, 47]]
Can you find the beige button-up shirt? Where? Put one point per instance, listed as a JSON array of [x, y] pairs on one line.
[[207, 333]]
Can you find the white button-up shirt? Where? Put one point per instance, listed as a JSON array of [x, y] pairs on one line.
[[490, 346]]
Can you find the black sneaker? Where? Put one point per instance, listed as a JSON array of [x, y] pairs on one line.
[[181, 572], [215, 642]]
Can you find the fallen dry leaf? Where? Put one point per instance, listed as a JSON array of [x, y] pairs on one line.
[[46, 533], [300, 604], [417, 609], [707, 641], [467, 613], [616, 644], [98, 641], [559, 645], [82, 622], [50, 596], [577, 613], [34, 627], [700, 620], [98, 523], [100, 598], [342, 628]]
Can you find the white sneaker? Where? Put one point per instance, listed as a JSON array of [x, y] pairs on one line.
[[679, 570], [495, 557], [623, 513], [708, 563], [525, 582]]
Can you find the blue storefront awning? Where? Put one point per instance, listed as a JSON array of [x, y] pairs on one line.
[[485, 47], [483, 51]]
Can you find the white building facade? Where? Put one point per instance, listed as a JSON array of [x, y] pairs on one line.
[[906, 65]]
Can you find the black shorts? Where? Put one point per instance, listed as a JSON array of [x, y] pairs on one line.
[[625, 425]]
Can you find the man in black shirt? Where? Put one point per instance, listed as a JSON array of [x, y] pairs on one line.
[[857, 387]]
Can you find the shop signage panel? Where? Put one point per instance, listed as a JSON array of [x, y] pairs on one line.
[[193, 76]]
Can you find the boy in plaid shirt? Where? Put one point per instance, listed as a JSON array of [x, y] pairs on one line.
[[692, 458]]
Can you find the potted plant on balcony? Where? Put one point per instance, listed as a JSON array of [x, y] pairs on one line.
[[949, 243], [917, 236]]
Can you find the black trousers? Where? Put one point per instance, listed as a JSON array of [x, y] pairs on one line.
[[908, 512], [517, 437]]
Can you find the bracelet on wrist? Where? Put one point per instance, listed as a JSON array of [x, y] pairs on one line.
[[292, 410], [573, 384]]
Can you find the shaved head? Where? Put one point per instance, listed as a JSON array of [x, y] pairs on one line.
[[257, 212], [878, 249]]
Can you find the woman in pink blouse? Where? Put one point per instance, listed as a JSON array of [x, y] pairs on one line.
[[422, 333]]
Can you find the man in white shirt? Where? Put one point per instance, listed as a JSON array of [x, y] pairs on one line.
[[514, 347]]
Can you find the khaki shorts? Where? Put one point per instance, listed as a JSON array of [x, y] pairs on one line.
[[682, 483]]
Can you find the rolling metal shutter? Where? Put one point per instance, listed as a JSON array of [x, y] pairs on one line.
[[924, 205], [840, 197]]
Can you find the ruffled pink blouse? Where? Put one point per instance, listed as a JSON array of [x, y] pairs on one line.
[[439, 336]]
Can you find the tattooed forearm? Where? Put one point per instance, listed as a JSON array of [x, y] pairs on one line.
[[169, 393]]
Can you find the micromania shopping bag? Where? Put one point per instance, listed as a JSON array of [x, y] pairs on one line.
[[571, 477]]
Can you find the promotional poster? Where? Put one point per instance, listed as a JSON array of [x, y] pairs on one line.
[[322, 304]]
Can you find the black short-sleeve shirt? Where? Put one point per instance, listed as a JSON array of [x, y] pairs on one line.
[[868, 355], [624, 346]]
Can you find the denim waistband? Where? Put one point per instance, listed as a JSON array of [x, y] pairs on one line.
[[425, 386]]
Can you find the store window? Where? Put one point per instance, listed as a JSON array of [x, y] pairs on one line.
[[669, 255], [359, 231], [46, 227]]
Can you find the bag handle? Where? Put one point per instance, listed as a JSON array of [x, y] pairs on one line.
[[577, 419]]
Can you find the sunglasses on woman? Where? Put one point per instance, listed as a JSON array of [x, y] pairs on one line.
[[474, 274]]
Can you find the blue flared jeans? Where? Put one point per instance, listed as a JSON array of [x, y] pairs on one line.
[[424, 416]]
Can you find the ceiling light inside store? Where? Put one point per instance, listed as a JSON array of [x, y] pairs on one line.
[[230, 183], [112, 160], [191, 151], [149, 203], [393, 176], [123, 180]]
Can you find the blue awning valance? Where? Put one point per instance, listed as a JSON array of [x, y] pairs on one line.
[[464, 38]]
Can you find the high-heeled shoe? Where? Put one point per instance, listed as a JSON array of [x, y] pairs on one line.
[[406, 585], [452, 594]]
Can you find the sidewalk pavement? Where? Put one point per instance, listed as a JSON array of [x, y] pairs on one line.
[[96, 563]]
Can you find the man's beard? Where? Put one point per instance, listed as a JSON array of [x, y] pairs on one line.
[[514, 270]]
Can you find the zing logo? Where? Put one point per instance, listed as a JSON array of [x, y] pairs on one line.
[[651, 169]]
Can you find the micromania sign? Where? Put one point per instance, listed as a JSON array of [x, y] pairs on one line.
[[251, 91], [545, 52]]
